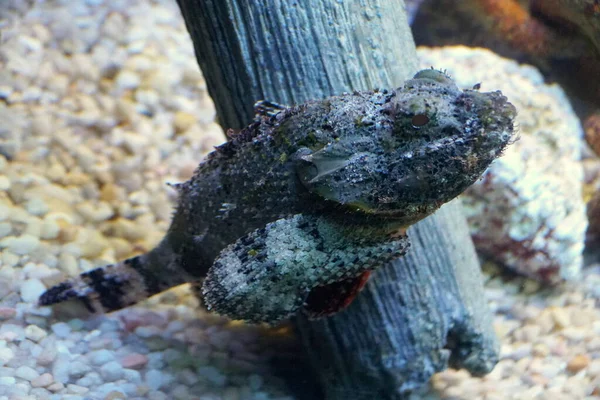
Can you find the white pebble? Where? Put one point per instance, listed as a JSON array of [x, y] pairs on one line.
[[111, 371], [79, 369], [26, 373], [20, 245], [127, 80], [101, 357], [7, 380], [5, 229], [31, 289], [154, 379], [76, 389], [6, 354], [4, 182], [49, 230], [35, 333], [36, 206], [61, 329], [61, 368]]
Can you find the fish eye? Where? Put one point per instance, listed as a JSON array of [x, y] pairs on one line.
[[419, 120]]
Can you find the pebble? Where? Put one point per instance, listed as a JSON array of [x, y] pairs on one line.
[[154, 379], [20, 245], [61, 329], [127, 80], [61, 368], [7, 380], [101, 357], [4, 183], [76, 389], [31, 290], [79, 369], [26, 373], [43, 380], [6, 354], [111, 371], [577, 363], [35, 333], [134, 361], [213, 375], [5, 229], [7, 313]]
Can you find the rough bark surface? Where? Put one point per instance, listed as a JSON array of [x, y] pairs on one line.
[[420, 313]]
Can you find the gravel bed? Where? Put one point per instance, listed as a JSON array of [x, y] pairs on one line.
[[101, 105]]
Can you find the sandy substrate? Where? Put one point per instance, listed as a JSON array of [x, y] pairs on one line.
[[101, 105]]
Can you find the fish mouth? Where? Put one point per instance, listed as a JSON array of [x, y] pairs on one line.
[[496, 119]]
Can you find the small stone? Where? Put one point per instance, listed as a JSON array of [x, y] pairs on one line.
[[43, 380], [115, 395], [561, 317], [6, 354], [76, 389], [255, 382], [20, 245], [155, 379], [26, 373], [31, 289], [56, 386], [213, 375], [134, 361], [111, 371], [49, 230], [5, 229], [7, 313], [36, 206], [7, 380], [61, 329], [183, 121], [79, 369], [577, 363], [4, 183], [127, 80], [61, 368], [101, 357], [35, 333]]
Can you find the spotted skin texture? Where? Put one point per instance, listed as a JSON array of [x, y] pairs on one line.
[[294, 211]]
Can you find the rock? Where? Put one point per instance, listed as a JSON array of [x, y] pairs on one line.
[[527, 211], [127, 80], [31, 289], [26, 373], [43, 380], [7, 313], [577, 363], [20, 245], [111, 371], [76, 389], [101, 357], [134, 361], [155, 379], [35, 333], [183, 121], [61, 329], [4, 183], [212, 375], [6, 354]]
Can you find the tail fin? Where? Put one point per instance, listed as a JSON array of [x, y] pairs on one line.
[[115, 286]]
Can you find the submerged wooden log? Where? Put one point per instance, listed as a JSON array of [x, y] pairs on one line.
[[420, 313]]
